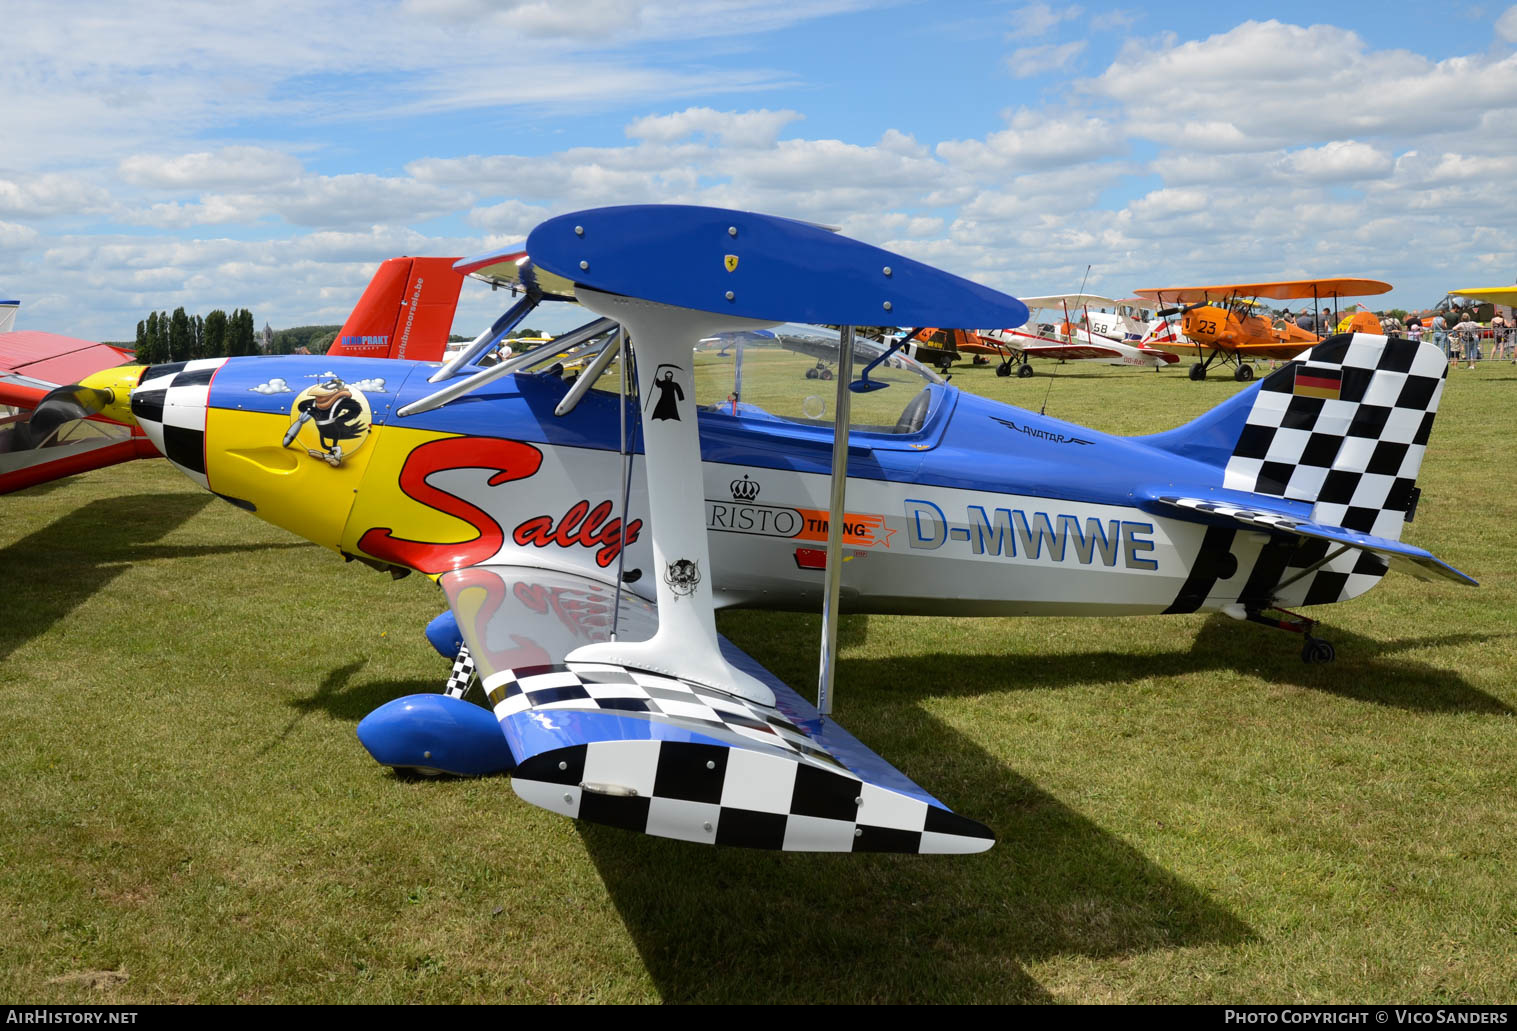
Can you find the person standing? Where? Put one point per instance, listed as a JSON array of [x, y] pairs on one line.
[[1414, 329], [1468, 333], [1441, 334], [1498, 336]]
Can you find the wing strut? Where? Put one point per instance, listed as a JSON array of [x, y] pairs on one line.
[[833, 573], [663, 339]]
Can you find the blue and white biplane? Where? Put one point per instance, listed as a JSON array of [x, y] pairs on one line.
[[586, 526]]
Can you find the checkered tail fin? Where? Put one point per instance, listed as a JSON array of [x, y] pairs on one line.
[[1343, 427]]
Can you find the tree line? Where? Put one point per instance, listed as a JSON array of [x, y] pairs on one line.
[[162, 337]]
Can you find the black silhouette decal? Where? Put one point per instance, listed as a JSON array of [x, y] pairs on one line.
[[666, 405]]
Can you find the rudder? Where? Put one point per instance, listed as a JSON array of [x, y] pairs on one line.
[[406, 311], [1344, 427]]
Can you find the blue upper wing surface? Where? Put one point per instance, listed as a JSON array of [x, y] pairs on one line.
[[761, 267]]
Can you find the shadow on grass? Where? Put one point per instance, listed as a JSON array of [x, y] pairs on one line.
[[339, 701], [733, 925], [1366, 670], [51, 572]]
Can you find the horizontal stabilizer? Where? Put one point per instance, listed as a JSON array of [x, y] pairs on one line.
[[1400, 556]]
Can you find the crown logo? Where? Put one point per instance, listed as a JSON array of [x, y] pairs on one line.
[[744, 489]]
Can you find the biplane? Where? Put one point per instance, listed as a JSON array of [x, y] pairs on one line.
[[585, 528], [1068, 336], [65, 437], [1220, 321], [49, 430], [1130, 319]]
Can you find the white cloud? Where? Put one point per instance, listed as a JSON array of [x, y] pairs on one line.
[[1039, 19], [206, 170], [1036, 140], [1506, 25], [1338, 161], [273, 386], [733, 128], [1282, 85], [15, 237], [1026, 62]]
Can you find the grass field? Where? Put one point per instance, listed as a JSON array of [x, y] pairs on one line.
[[1186, 812]]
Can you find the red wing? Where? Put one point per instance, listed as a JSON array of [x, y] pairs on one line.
[[1070, 352]]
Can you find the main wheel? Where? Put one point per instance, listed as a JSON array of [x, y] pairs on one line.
[[1317, 650], [1198, 371], [1004, 369], [1024, 370], [826, 374], [812, 374], [1243, 373]]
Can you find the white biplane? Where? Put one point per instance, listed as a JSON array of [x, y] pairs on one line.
[[1069, 334]]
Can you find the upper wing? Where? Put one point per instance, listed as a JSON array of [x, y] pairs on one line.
[[648, 751], [1280, 290], [512, 268], [32, 363], [1069, 300], [1494, 294]]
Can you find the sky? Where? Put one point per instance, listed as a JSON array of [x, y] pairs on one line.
[[269, 155]]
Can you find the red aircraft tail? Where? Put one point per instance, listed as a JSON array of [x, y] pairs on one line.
[[406, 312]]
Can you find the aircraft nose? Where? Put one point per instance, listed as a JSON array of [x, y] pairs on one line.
[[169, 403]]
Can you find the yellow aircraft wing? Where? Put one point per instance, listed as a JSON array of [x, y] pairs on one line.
[[1495, 294], [1284, 290]]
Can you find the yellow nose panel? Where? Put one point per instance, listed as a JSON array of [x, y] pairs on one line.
[[288, 486]]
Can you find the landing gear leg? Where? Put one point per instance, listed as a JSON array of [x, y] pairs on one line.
[[1313, 649]]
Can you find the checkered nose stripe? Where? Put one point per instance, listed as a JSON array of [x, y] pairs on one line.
[[730, 796], [169, 404]]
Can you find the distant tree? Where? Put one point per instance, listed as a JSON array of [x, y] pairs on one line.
[[141, 339], [243, 331], [151, 352], [197, 336], [181, 340], [215, 335]]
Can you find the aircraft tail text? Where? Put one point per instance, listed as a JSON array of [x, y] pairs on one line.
[[406, 312]]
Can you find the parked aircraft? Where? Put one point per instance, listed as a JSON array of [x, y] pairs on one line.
[[48, 430], [584, 532], [1067, 336], [1220, 322]]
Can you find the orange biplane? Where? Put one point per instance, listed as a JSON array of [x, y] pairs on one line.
[[1220, 322]]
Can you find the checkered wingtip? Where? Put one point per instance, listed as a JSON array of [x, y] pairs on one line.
[[667, 757]]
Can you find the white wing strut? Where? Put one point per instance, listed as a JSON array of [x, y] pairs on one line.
[[686, 645], [833, 574]]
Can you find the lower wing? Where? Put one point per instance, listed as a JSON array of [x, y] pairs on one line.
[[650, 752]]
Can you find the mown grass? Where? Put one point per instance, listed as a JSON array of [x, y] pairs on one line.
[[1186, 812]]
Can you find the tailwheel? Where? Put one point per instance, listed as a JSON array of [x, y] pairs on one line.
[[1004, 369], [1198, 371], [1243, 373], [1313, 649], [1317, 650], [1024, 370]]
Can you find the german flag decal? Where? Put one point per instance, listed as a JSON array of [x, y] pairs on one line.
[[1318, 382]]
